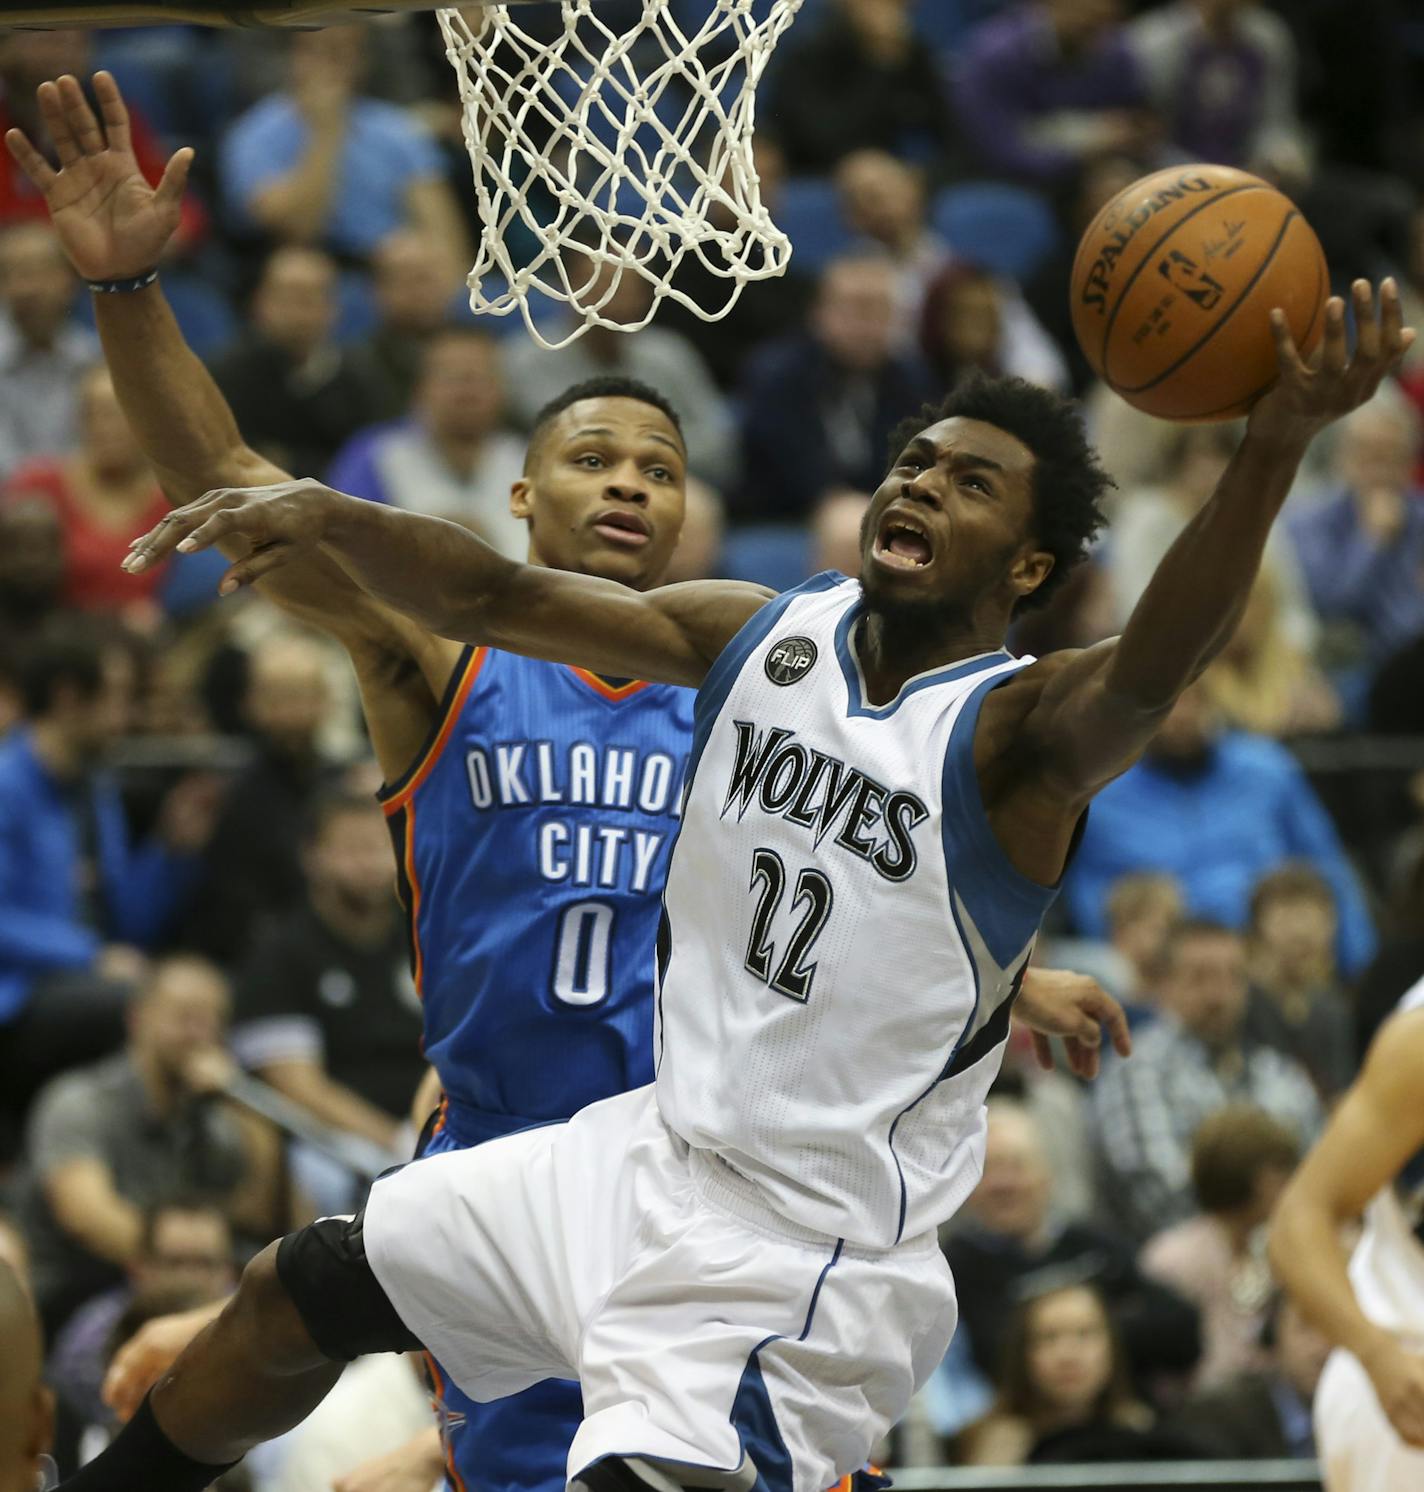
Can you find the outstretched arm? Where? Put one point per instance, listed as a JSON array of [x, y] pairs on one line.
[[1374, 1133], [453, 584], [114, 226], [1096, 712]]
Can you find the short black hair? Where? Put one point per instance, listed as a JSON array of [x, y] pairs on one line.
[[1068, 479], [606, 386], [68, 650]]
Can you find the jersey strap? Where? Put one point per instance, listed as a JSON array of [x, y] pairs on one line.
[[395, 795]]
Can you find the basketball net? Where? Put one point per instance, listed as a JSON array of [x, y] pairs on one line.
[[601, 154]]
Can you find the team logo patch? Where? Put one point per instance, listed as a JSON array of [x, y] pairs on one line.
[[790, 660]]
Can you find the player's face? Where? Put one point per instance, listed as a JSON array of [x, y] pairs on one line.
[[605, 493], [952, 521]]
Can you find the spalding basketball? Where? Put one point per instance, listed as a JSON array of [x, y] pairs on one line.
[[1174, 283]]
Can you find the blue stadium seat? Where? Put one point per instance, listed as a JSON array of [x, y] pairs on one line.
[[771, 554], [1000, 227], [809, 212]]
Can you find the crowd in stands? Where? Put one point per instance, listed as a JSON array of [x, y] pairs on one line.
[[196, 886]]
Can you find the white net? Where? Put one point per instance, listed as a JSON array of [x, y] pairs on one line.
[[607, 154]]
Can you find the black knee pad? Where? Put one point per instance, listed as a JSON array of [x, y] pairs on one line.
[[324, 1270]]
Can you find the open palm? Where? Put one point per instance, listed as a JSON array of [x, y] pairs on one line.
[[111, 222]]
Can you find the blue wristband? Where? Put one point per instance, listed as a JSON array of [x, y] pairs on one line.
[[123, 287]]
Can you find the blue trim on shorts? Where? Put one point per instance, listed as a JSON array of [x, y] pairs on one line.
[[752, 1416]]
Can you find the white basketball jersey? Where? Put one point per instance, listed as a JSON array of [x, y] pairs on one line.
[[843, 935], [1387, 1268]]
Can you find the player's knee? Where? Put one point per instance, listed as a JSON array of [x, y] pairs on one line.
[[264, 1311], [332, 1294]]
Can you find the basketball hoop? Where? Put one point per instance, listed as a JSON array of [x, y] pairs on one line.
[[619, 153]]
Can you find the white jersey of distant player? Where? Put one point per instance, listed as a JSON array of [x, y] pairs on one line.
[[1387, 1268], [844, 936]]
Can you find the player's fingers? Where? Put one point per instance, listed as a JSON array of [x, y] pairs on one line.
[[1367, 327], [1114, 1018], [1334, 347], [30, 161], [82, 122], [175, 179], [1042, 1050], [57, 123], [165, 536], [1287, 355], [1083, 1057], [257, 564], [128, 1377], [114, 110]]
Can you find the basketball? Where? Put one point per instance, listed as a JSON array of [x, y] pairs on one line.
[[1174, 282]]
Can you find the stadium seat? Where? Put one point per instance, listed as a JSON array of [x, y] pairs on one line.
[[808, 210], [770, 554], [999, 227]]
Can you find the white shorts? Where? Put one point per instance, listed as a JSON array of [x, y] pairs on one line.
[[1359, 1449], [705, 1330]]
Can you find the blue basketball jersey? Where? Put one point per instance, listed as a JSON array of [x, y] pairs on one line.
[[532, 838]]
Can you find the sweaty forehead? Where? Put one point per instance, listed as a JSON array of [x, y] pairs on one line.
[[621, 418], [965, 437]]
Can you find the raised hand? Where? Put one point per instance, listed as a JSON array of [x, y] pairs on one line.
[[1308, 396], [276, 523], [112, 224]]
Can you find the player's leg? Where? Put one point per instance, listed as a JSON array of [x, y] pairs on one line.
[[303, 1309]]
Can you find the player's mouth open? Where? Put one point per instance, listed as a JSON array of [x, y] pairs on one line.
[[903, 545], [619, 526]]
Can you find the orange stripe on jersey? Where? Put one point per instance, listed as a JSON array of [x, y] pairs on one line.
[[603, 687], [412, 880], [432, 755], [442, 1116], [447, 1439]]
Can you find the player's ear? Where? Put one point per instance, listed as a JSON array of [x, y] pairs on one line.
[[1030, 569], [521, 498]]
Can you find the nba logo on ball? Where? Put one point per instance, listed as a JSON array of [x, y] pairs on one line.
[[790, 660]]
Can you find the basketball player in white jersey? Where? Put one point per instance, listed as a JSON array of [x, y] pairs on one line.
[[1369, 1408], [739, 1263]]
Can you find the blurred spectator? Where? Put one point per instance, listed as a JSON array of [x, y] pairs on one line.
[[1298, 1001], [1263, 680], [297, 396], [451, 457], [253, 867], [1049, 85], [1142, 909], [26, 1405], [29, 58], [107, 1141], [14, 1251], [699, 544], [1264, 1415], [1240, 1160], [326, 1010], [1221, 75], [414, 291], [973, 321], [318, 163], [836, 531], [1149, 519], [1010, 1233], [819, 406], [663, 359], [1064, 1391], [77, 897], [104, 495], [43, 350], [1362, 547], [1091, 187], [185, 1245], [888, 93], [31, 566], [1217, 810], [765, 310], [1195, 1060]]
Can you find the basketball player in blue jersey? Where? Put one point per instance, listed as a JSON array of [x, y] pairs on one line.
[[739, 1262]]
